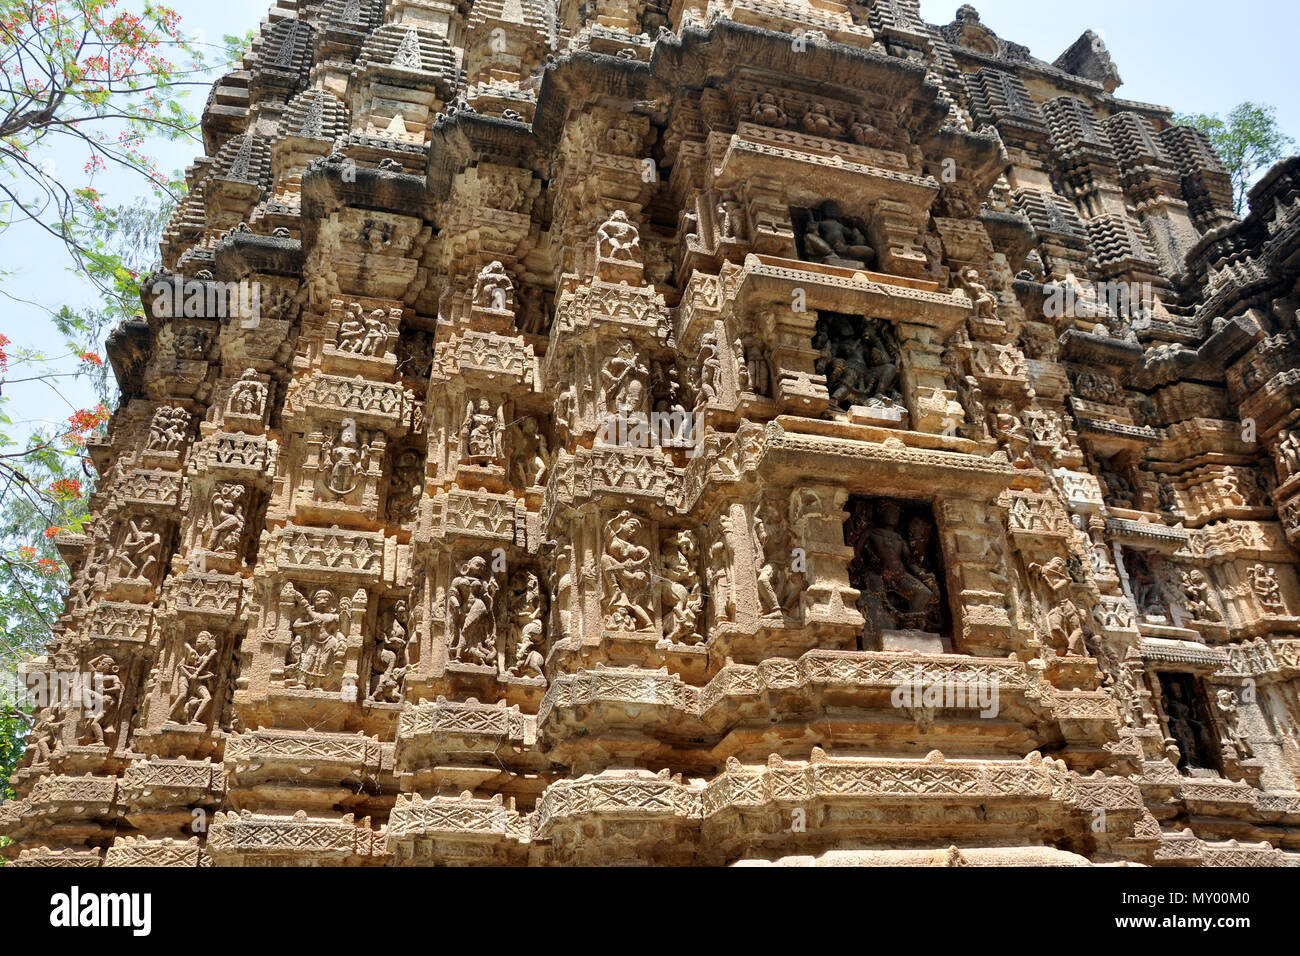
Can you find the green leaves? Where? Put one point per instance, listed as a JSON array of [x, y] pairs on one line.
[[1247, 141], [102, 76], [236, 47]]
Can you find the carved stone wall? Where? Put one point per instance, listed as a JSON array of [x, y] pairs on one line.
[[688, 433]]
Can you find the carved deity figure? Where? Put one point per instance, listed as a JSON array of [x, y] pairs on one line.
[[226, 517], [1065, 622], [1145, 586], [865, 134], [986, 303], [139, 554], [344, 458], [1263, 581], [352, 329], [105, 696], [971, 397], [767, 111], [730, 218], [195, 674], [375, 340], [899, 589], [742, 370], [830, 238], [680, 591], [1119, 678], [566, 410], [167, 428], [764, 550], [618, 239], [707, 375], [492, 288], [319, 630], [1227, 702], [722, 598], [248, 395], [389, 668], [757, 372], [1229, 488], [819, 121], [481, 431], [415, 351], [626, 574], [861, 367], [1011, 430], [624, 376], [1119, 492], [406, 485], [793, 579], [1186, 727], [562, 588], [44, 739], [665, 393], [92, 578], [531, 457], [471, 605], [1199, 603], [1095, 386], [526, 626], [1168, 496], [932, 248], [1288, 454]]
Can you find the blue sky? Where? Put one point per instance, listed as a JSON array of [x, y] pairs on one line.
[[1191, 55]]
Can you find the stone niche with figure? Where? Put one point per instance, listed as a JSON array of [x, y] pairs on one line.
[[1191, 738], [897, 565]]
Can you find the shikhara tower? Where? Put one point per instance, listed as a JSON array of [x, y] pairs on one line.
[[369, 583]]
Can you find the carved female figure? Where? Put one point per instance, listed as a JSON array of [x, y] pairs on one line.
[[624, 378], [138, 555], [526, 626], [1064, 621], [352, 329], [105, 695], [480, 430], [767, 599], [225, 517], [680, 591], [472, 612], [390, 657], [626, 574], [195, 676], [376, 335], [721, 598], [319, 634], [248, 395]]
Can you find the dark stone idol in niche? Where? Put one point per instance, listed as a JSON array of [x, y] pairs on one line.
[[896, 566], [860, 359], [1188, 723], [827, 236]]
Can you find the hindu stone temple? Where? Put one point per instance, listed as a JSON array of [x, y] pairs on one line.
[[688, 432]]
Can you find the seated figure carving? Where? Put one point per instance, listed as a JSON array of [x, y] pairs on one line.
[[832, 239], [860, 359], [894, 566]]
